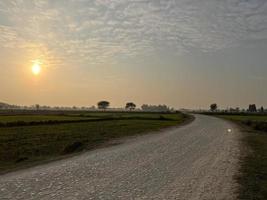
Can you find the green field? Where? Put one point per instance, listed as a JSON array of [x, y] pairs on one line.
[[37, 118], [80, 116], [253, 171], [22, 145], [261, 118], [77, 117]]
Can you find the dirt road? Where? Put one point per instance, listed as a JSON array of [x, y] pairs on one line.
[[194, 162]]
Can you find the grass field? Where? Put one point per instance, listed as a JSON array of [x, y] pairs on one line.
[[22, 146], [253, 178], [243, 118], [38, 118]]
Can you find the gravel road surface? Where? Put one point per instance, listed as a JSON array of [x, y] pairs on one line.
[[193, 162]]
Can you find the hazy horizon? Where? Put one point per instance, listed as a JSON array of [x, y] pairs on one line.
[[185, 54]]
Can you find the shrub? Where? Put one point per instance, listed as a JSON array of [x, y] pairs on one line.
[[74, 147]]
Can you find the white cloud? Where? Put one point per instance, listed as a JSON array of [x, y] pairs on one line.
[[98, 31]]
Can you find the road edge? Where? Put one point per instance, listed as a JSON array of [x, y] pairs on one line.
[[188, 118], [252, 171]]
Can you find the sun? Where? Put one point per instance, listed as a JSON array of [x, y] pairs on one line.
[[36, 69]]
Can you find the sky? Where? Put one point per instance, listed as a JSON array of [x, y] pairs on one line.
[[183, 53]]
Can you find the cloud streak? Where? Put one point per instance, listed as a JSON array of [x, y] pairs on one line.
[[100, 31]]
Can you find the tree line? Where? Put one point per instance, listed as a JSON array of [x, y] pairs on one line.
[[251, 108], [103, 105]]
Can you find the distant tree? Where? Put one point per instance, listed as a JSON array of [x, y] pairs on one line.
[[4, 105], [155, 108], [37, 106], [144, 107], [45, 107], [237, 109], [262, 109], [252, 108], [231, 109], [130, 106], [92, 108], [213, 107], [103, 105]]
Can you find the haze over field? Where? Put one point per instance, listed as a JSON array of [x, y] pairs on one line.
[[185, 53]]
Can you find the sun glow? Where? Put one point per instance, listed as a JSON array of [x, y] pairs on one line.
[[36, 69]]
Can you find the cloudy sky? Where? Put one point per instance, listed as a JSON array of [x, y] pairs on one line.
[[184, 53]]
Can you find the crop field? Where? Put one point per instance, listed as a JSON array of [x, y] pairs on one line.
[[261, 118], [25, 144], [37, 118]]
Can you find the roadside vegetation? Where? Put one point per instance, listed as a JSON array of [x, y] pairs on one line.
[[253, 171], [255, 121], [33, 138]]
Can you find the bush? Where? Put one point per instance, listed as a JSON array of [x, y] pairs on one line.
[[261, 126], [21, 159], [248, 122], [257, 125], [74, 147]]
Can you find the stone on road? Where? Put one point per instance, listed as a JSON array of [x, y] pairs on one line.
[[193, 162]]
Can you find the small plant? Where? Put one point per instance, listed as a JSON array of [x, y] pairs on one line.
[[74, 147]]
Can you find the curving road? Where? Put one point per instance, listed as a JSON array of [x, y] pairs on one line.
[[193, 162]]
